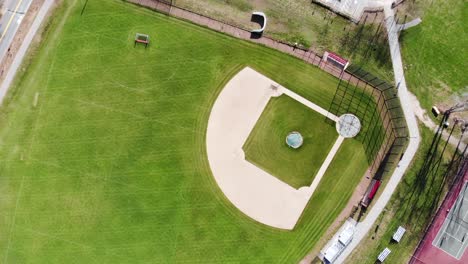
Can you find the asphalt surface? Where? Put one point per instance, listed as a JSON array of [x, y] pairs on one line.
[[23, 48], [10, 22]]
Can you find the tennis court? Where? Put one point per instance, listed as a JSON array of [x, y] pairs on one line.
[[453, 235]]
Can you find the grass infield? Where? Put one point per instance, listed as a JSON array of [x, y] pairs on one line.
[[109, 165], [266, 146]]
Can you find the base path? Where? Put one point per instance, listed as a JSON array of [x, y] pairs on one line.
[[253, 191]]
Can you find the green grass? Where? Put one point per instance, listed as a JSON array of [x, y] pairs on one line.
[[435, 52], [290, 20], [309, 25], [110, 166], [410, 206], [266, 146]]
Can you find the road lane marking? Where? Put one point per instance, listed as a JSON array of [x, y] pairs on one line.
[[11, 19]]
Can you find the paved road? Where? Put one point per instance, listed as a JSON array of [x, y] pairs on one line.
[[10, 22], [24, 47], [363, 227]]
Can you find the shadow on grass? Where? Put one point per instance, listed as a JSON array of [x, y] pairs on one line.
[[439, 169]]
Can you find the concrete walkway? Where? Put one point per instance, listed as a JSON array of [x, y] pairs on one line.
[[410, 24], [363, 227], [23, 49], [253, 191]]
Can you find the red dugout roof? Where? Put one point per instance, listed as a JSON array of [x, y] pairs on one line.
[[337, 58]]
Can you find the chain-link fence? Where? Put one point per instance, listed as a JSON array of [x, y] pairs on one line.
[[373, 100], [376, 104]]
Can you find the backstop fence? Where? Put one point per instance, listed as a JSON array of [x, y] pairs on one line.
[[384, 133]]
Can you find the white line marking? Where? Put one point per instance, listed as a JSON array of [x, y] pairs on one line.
[[309, 104], [256, 193], [11, 19], [10, 235], [450, 235], [326, 164]]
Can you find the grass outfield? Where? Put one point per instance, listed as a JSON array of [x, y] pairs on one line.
[[435, 52], [111, 167], [266, 146]]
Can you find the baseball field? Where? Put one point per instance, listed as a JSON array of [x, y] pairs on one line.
[[103, 152]]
